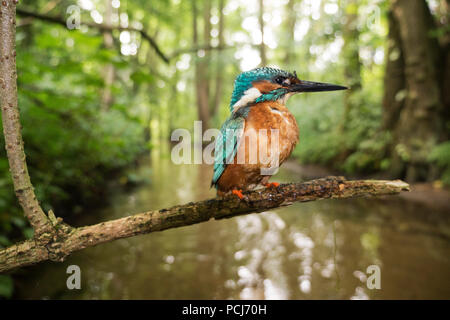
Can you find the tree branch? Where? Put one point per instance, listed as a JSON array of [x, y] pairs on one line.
[[11, 122], [145, 35], [98, 26], [70, 239]]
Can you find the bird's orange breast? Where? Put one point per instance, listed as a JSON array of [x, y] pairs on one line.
[[270, 135]]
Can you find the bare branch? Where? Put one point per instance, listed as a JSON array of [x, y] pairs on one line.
[[98, 26], [11, 122], [145, 35], [70, 240]]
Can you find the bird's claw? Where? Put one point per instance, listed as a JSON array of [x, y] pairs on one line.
[[238, 193], [272, 185]]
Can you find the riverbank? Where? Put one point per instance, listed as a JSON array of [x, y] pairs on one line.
[[432, 195]]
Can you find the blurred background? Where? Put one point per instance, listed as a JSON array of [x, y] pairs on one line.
[[103, 83]]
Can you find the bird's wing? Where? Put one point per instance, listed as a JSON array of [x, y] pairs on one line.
[[227, 144]]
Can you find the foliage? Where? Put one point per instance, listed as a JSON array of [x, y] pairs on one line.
[[6, 286], [441, 156], [360, 147], [71, 144], [73, 141]]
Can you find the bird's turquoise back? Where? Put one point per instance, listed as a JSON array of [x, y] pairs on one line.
[[228, 142]]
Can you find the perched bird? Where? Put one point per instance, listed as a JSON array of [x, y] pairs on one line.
[[258, 112]]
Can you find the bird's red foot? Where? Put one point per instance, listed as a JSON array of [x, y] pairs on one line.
[[272, 185], [238, 193]]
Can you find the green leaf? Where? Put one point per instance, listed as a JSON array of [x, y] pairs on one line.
[[28, 233], [4, 241], [141, 77], [6, 286]]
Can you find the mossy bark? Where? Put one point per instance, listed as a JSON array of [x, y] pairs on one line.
[[11, 121], [69, 240]]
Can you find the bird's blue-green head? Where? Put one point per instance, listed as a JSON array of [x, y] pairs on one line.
[[271, 84]]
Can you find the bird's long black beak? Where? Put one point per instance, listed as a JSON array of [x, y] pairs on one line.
[[309, 86]]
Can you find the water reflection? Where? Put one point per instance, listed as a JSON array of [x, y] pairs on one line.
[[261, 249], [316, 250]]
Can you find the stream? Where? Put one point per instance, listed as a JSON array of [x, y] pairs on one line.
[[314, 250]]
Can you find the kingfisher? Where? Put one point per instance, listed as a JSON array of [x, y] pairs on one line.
[[260, 133]]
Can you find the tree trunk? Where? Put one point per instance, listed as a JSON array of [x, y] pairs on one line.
[[201, 81], [445, 49], [219, 72], [394, 80], [352, 69], [262, 47], [289, 58], [414, 116], [394, 90], [109, 73]]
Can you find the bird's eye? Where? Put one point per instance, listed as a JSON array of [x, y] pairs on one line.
[[280, 79]]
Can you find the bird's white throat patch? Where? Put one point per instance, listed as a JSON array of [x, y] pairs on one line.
[[250, 95], [285, 98]]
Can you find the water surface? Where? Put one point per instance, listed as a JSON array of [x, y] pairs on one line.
[[315, 250]]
